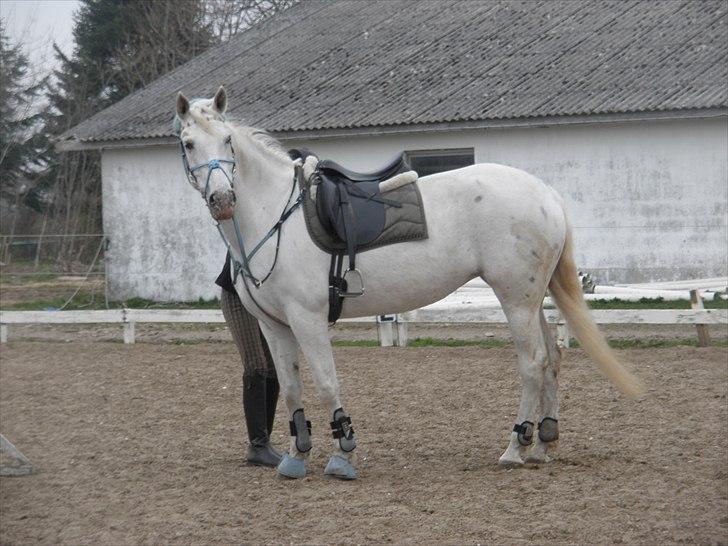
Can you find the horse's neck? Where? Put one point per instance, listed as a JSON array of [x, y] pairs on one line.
[[261, 188]]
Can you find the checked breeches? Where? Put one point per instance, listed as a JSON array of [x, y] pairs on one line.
[[260, 384], [246, 333]]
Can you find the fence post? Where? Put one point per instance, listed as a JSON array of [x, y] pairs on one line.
[[129, 332], [401, 332], [3, 333], [563, 334], [385, 330], [40, 241], [696, 302]]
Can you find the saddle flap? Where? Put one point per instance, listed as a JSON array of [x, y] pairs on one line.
[[366, 216]]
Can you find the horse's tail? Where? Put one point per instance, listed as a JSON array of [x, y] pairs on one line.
[[566, 291]]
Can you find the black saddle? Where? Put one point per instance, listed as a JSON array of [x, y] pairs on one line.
[[397, 165], [350, 203], [350, 206]]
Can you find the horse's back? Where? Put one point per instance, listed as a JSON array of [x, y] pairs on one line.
[[494, 197], [484, 220], [502, 182]]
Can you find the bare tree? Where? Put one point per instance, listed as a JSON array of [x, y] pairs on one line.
[[161, 36], [229, 17]]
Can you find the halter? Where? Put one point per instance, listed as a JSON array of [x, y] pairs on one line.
[[243, 266]]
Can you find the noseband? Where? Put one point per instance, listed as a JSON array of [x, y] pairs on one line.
[[211, 165]]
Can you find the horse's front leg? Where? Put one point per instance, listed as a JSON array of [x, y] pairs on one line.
[[312, 334], [284, 351]]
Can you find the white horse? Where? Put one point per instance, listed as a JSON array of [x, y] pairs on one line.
[[487, 220]]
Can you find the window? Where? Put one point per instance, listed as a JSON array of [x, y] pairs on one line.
[[436, 161]]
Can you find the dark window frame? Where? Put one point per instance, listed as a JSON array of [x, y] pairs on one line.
[[436, 160]]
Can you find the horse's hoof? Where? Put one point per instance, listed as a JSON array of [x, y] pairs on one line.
[[339, 467], [509, 461], [541, 458], [291, 467]]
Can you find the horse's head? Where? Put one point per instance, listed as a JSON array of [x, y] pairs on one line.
[[206, 151]]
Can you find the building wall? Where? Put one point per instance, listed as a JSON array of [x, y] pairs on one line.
[[163, 244], [648, 200]]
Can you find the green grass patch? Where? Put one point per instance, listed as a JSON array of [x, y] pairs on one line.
[[488, 343], [496, 343], [654, 303], [81, 301], [85, 301], [655, 343], [355, 343], [25, 278]]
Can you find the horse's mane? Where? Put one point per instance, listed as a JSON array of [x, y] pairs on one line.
[[260, 138], [202, 112]]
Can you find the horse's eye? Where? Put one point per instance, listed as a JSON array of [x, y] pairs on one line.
[[228, 139], [189, 145]]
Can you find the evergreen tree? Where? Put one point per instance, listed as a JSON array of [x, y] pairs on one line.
[[121, 46], [126, 44], [20, 154]]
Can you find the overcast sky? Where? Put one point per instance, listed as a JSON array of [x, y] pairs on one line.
[[37, 24]]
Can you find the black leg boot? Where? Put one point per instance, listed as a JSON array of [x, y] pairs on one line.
[[255, 408]]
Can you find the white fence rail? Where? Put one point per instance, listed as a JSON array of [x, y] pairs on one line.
[[392, 329]]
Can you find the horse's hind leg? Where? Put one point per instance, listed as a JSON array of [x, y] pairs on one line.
[[524, 319], [548, 427]]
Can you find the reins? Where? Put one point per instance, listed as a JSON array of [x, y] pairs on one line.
[[243, 266]]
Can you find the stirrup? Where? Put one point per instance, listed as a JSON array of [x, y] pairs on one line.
[[353, 293]]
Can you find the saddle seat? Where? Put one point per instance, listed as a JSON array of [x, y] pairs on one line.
[[395, 166]]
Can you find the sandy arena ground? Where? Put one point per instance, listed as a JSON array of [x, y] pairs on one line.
[[144, 444]]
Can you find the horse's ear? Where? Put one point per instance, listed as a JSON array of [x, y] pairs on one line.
[[183, 105], [220, 100]]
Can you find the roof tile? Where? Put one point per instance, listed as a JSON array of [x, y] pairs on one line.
[[349, 64]]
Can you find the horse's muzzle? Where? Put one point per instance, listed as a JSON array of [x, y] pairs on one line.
[[222, 205]]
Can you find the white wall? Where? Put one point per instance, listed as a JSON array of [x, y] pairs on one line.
[[163, 243], [648, 200]]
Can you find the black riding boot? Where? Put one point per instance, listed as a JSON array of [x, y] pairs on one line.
[[271, 387], [259, 423], [271, 401]]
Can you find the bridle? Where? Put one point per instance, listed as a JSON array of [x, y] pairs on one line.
[[211, 165], [243, 266]]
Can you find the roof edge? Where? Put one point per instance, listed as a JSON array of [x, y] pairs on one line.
[[506, 123]]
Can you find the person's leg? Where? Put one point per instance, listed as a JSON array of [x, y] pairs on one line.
[[260, 384], [272, 388]]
